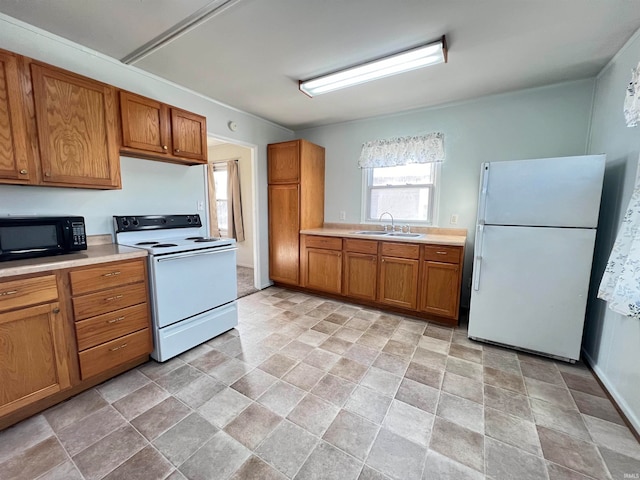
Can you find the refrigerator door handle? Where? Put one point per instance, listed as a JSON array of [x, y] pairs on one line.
[[484, 185], [477, 260]]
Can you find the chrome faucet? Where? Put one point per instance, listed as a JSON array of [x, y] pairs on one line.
[[386, 227]]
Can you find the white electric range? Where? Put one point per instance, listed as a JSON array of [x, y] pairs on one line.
[[192, 279]]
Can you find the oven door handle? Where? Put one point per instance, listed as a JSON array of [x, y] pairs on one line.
[[180, 256]]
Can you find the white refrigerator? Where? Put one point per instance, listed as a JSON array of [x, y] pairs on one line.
[[534, 243]]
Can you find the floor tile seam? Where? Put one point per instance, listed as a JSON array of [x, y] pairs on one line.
[[126, 422], [69, 457], [584, 424], [547, 461]]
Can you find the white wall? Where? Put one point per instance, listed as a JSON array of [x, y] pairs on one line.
[[612, 342], [148, 186], [542, 122], [243, 155]]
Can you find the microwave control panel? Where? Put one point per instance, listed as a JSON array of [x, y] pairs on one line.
[[79, 235]]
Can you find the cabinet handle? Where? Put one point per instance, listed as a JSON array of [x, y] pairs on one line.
[[115, 320], [23, 172], [10, 292], [109, 299], [177, 150], [111, 274], [164, 147], [117, 348], [47, 174], [56, 310], [441, 253]]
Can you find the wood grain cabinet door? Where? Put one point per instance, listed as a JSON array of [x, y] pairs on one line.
[[189, 135], [144, 123], [360, 273], [324, 270], [14, 163], [284, 228], [77, 129], [284, 162], [33, 360], [398, 284], [440, 284]]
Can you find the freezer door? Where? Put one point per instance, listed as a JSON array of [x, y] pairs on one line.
[[554, 192], [530, 287]]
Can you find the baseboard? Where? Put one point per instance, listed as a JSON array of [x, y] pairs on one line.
[[621, 405], [249, 265]]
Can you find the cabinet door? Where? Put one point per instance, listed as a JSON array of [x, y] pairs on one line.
[[144, 123], [440, 288], [324, 270], [33, 360], [13, 134], [189, 135], [398, 282], [284, 229], [284, 162], [360, 275], [77, 129]]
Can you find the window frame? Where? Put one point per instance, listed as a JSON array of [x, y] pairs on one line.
[[367, 187], [221, 166]]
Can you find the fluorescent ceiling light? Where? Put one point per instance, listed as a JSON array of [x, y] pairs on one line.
[[423, 56]]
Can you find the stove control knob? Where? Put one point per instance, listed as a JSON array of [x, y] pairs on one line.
[[188, 219], [135, 222], [125, 222], [163, 221]]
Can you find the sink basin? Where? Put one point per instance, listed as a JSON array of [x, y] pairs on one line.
[[399, 234], [370, 232]]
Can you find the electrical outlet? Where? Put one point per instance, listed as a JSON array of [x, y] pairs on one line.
[[343, 215], [454, 219], [200, 206]]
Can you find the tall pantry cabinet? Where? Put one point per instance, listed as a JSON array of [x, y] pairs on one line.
[[296, 202]]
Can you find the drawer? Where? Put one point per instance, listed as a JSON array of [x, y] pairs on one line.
[[402, 250], [329, 243], [28, 291], [116, 352], [106, 275], [360, 246], [103, 328], [440, 253], [109, 300]]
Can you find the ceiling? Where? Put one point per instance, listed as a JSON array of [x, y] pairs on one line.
[[250, 54]]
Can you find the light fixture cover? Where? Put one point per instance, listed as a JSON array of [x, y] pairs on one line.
[[418, 57]]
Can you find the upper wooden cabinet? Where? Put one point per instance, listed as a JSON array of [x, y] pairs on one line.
[[151, 129], [296, 201], [76, 120], [14, 160]]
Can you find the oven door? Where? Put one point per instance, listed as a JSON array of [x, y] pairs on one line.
[[189, 283]]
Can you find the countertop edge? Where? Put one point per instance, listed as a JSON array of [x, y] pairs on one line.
[[94, 254], [427, 238]]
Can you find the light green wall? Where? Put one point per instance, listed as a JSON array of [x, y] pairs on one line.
[[612, 342], [542, 122]]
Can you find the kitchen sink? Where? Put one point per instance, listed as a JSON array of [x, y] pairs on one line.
[[407, 235], [370, 232]]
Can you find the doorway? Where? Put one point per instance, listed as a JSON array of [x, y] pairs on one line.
[[221, 152]]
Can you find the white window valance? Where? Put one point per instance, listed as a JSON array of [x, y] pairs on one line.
[[402, 151]]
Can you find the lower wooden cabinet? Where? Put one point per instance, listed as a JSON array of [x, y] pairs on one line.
[[440, 293], [324, 270], [398, 285], [33, 356], [360, 275], [284, 237]]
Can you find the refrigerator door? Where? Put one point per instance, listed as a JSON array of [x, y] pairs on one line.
[[554, 192], [530, 287]]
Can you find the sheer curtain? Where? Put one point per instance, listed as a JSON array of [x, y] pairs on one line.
[[236, 227], [392, 152], [214, 231]]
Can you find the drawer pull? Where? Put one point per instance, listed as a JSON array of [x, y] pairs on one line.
[[441, 253], [115, 320], [56, 310], [111, 274], [117, 348], [117, 297], [10, 292]]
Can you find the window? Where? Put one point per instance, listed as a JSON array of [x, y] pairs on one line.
[[408, 192], [220, 175]]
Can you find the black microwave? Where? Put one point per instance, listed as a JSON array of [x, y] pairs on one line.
[[27, 237]]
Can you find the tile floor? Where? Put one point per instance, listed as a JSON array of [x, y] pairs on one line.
[[306, 388]]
